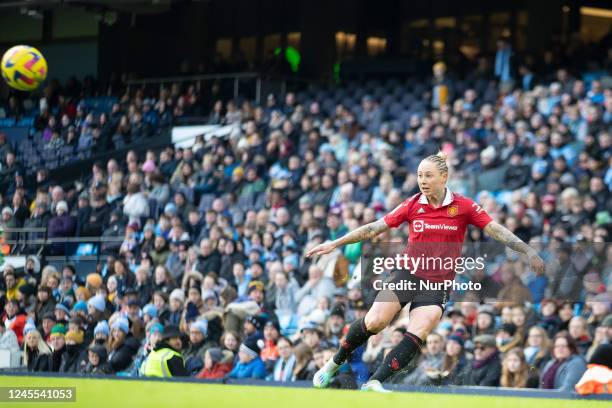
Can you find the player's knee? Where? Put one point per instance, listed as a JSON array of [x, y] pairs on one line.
[[375, 321]]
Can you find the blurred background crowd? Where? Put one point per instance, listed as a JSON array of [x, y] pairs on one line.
[[203, 272]]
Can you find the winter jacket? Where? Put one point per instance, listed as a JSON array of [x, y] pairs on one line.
[[61, 226], [98, 219], [253, 369], [17, 323], [121, 358], [37, 362], [55, 359], [568, 374], [135, 206], [45, 308], [218, 370], [488, 374], [100, 369], [71, 359], [210, 263]]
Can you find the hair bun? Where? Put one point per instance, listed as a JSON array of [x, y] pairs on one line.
[[442, 155]]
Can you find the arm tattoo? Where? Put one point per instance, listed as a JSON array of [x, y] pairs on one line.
[[502, 234], [363, 233]]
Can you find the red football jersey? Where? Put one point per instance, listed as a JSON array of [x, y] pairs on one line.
[[437, 232]]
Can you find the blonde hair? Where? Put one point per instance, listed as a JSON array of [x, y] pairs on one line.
[[42, 347], [303, 355], [518, 379], [439, 160]]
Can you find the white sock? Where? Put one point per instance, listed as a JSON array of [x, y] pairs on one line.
[[330, 366]]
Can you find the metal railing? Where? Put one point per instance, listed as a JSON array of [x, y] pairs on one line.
[[21, 245], [254, 85]]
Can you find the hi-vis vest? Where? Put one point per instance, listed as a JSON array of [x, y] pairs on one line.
[[156, 364]]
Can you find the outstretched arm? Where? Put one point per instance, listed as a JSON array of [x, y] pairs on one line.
[[502, 234], [363, 233]]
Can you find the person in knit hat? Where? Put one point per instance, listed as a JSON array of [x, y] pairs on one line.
[[177, 301], [249, 364], [454, 364], [252, 327], [29, 326], [58, 344], [82, 294], [71, 359], [101, 333], [216, 364], [96, 306], [96, 361], [149, 312], [80, 309], [62, 313], [166, 359], [93, 281], [123, 345], [194, 353]]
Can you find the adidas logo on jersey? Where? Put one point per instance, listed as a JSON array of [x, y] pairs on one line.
[[421, 210]]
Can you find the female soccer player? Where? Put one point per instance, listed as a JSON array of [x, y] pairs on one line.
[[436, 216]]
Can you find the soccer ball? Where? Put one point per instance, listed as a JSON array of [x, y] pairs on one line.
[[24, 68]]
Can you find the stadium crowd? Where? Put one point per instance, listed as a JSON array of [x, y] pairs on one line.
[[208, 277]]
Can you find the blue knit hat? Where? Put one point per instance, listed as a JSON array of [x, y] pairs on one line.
[[201, 325], [121, 324], [63, 307], [29, 326], [80, 306], [456, 338], [150, 310], [98, 303], [156, 327], [102, 327]]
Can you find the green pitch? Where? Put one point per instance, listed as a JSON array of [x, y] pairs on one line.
[[111, 393]]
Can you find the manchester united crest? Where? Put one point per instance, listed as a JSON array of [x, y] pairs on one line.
[[453, 210]]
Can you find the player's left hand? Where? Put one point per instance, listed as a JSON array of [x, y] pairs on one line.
[[321, 249], [536, 263]]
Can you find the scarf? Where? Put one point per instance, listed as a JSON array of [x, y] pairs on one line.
[[481, 363], [548, 379]]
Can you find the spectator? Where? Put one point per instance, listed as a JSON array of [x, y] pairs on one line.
[[96, 361], [537, 350], [166, 359], [579, 332], [58, 345], [304, 364], [36, 352], [596, 380], [455, 362], [62, 225], [513, 290], [486, 367], [74, 355], [13, 319], [315, 288], [515, 371], [565, 368], [123, 345], [194, 353], [217, 364], [285, 364], [249, 365], [430, 363]]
